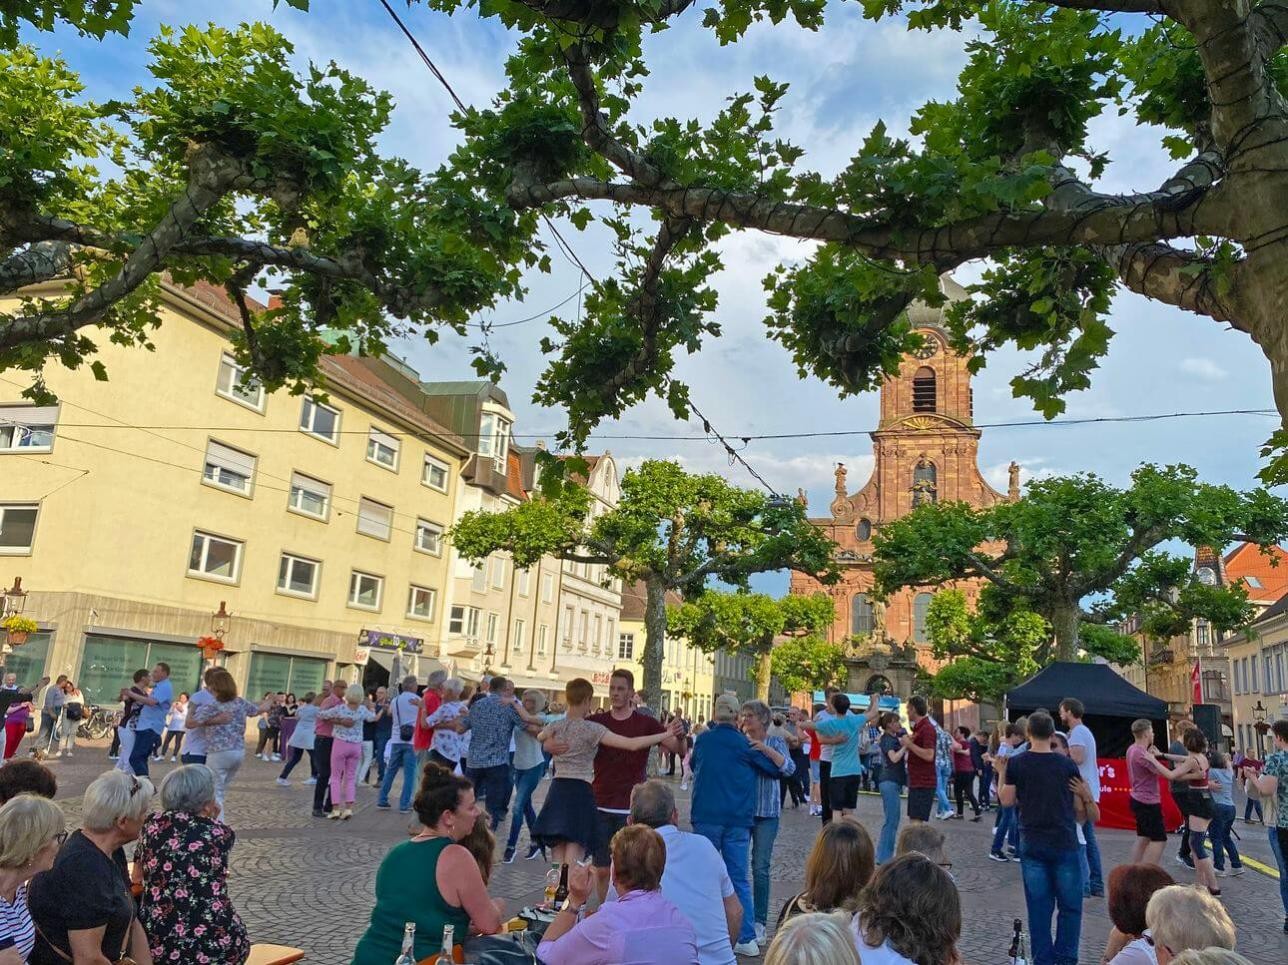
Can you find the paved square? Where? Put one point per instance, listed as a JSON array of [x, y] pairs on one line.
[[302, 881]]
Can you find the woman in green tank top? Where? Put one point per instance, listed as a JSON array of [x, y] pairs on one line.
[[430, 879]]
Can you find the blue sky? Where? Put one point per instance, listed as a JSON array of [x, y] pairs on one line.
[[843, 79]]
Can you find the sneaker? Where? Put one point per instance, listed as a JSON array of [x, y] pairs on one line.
[[961, 817], [760, 933], [277, 758], [113, 757], [260, 756], [977, 817], [173, 758], [535, 851], [1012, 854], [336, 815], [311, 780], [283, 782], [509, 856], [746, 948], [1221, 873], [404, 810], [382, 807], [346, 814], [1235, 872], [1187, 861], [684, 785], [319, 813], [998, 856]]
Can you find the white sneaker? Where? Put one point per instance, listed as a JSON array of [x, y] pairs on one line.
[[684, 785], [311, 780], [760, 933], [283, 782], [173, 758], [746, 948], [260, 756], [277, 758]]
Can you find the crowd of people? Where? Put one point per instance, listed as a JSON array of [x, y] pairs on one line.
[[639, 887]]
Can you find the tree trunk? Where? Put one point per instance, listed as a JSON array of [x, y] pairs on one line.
[[1064, 620], [654, 643], [764, 670]]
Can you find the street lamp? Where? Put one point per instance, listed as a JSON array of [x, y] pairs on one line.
[[16, 629], [212, 645], [15, 599], [1259, 714]]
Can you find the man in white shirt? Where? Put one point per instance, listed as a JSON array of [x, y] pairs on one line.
[[1082, 748], [194, 744], [695, 879]]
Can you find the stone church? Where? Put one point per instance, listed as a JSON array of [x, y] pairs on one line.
[[925, 448]]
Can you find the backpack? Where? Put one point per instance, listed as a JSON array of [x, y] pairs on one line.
[[74, 711]]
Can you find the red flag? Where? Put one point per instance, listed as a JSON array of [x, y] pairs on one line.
[[1196, 682]]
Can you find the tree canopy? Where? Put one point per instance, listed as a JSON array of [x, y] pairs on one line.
[[808, 663], [1079, 554], [677, 532], [232, 168], [749, 623]]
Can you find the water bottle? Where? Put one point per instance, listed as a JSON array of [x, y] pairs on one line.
[[446, 955], [408, 955]]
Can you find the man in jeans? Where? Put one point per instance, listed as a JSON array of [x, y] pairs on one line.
[[1082, 748], [726, 768], [491, 722], [152, 719], [1042, 785], [402, 748]]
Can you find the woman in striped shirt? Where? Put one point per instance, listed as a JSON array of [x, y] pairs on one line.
[[31, 831]]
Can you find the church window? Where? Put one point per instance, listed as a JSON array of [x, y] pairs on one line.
[[920, 607], [923, 390], [863, 531], [862, 624], [925, 483]]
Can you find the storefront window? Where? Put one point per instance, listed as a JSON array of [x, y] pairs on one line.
[[109, 664], [278, 672], [28, 660]]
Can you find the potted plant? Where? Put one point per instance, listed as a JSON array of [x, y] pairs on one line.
[[210, 646], [17, 628]]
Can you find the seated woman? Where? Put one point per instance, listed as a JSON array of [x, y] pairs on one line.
[[182, 863], [27, 777], [641, 926], [82, 906], [837, 869], [430, 879], [1130, 888], [31, 831], [817, 938], [911, 914]]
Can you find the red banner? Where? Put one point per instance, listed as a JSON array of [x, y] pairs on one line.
[[1196, 682], [1115, 797]]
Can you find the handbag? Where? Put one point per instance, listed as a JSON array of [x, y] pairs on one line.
[[405, 731]]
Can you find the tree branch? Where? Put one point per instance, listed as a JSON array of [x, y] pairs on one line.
[[988, 572], [1175, 277], [1270, 21], [605, 16], [1113, 6], [595, 130], [40, 262]]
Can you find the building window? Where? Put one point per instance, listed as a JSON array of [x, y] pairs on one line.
[[583, 634], [498, 572], [463, 621], [27, 428], [523, 578], [493, 620], [547, 588], [434, 475], [309, 496], [382, 449], [365, 590], [421, 602], [861, 620], [920, 607], [626, 646], [863, 531], [215, 557], [280, 673], [320, 421], [375, 519], [542, 633], [478, 579], [17, 528], [298, 575], [108, 660], [597, 641], [229, 468], [494, 438], [516, 640], [923, 390], [429, 537], [1252, 664], [569, 617], [237, 384], [1202, 633]]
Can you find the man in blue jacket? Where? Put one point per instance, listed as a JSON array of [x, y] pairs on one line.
[[725, 768]]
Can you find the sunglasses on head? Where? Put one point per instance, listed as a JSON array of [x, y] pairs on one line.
[[61, 837]]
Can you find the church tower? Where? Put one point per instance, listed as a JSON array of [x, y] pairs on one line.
[[925, 449]]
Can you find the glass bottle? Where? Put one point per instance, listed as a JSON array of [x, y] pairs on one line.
[[1018, 955], [408, 955], [552, 883], [561, 893]]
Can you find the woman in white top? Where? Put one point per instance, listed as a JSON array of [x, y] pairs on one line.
[[175, 727], [910, 913], [448, 747], [346, 749], [302, 739], [73, 715]]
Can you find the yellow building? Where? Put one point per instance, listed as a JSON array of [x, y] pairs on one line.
[[136, 507], [1259, 678], [688, 680]]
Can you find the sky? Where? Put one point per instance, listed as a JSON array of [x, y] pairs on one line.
[[843, 79]]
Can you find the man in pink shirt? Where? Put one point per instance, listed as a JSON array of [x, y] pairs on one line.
[[322, 749], [1146, 798]]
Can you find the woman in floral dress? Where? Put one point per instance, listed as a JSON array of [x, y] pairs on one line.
[[182, 863]]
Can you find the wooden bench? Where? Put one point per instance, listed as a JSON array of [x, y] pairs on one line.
[[261, 954]]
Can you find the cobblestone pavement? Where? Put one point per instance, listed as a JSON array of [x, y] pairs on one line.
[[302, 881]]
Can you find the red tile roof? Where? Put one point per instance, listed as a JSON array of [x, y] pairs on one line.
[[1264, 581]]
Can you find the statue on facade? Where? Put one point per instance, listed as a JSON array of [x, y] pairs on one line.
[[878, 621], [1013, 490], [802, 499], [841, 473]]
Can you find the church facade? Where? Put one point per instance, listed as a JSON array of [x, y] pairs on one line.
[[925, 449]]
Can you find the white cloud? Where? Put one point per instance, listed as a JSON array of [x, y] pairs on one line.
[[1204, 369]]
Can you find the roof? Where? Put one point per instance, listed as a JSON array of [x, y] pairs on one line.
[[1278, 608], [635, 600], [1103, 692], [1264, 581], [514, 477], [591, 462]]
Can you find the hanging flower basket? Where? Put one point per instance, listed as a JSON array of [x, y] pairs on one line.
[[18, 629], [210, 647]]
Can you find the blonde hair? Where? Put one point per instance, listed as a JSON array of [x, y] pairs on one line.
[[816, 938], [113, 796], [1182, 917], [27, 824], [1210, 956]]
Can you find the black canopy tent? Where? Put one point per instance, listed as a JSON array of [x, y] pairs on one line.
[[1111, 703]]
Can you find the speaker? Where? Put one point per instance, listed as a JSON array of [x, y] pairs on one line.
[[1208, 719]]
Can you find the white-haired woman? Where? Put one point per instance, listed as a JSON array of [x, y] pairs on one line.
[[182, 863], [31, 831], [82, 906], [346, 749], [819, 938], [448, 747]]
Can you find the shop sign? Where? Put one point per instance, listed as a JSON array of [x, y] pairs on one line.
[[601, 678], [361, 655], [382, 640]]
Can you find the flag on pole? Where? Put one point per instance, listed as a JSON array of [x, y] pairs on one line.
[[1196, 682]]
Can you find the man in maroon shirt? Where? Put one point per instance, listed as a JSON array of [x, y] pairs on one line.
[[921, 760], [617, 772]]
